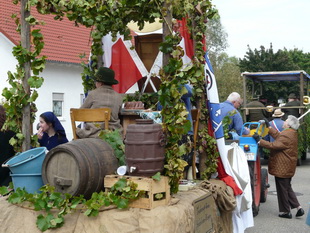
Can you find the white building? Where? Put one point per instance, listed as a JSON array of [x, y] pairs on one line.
[[62, 88]]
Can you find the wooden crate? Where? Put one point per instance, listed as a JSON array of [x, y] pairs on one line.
[[150, 186]]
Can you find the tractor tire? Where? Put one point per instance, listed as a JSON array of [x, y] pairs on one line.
[[255, 185], [264, 185]]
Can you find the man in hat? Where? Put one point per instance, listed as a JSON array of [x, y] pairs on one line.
[[102, 97], [256, 114], [292, 101]]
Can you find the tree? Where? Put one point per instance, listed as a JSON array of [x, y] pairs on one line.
[[283, 60], [216, 36], [228, 76], [226, 69]]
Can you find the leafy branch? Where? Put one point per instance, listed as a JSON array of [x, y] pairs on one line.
[[57, 205], [16, 97]]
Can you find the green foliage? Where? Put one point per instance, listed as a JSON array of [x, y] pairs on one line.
[[226, 122], [208, 146], [304, 134], [56, 205], [283, 60], [112, 17], [150, 100], [156, 176], [227, 74], [115, 140], [17, 97]]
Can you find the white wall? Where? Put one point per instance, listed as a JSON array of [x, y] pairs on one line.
[[60, 78], [7, 62]]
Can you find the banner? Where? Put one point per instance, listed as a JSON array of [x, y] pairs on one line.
[[225, 172], [125, 62]]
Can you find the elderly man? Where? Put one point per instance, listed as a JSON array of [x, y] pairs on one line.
[[282, 164], [103, 97], [229, 108]]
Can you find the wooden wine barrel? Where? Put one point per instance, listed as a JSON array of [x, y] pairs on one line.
[[144, 148], [79, 167]]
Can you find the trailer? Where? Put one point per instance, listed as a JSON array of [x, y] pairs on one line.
[[257, 80]]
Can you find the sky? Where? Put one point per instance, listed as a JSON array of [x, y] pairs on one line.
[[284, 23]]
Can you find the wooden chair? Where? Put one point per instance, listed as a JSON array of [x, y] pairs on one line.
[[89, 115], [195, 116]]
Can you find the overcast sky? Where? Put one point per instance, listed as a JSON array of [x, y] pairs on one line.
[[284, 23]]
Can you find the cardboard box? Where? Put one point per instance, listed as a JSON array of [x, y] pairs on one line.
[[203, 211]]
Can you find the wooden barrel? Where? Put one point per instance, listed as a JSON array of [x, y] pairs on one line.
[[79, 167], [144, 148]]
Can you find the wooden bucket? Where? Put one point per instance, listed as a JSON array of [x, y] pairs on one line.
[[79, 167]]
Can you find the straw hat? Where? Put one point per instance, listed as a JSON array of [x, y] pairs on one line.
[[277, 113]]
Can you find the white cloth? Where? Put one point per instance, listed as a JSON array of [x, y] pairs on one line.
[[242, 216]]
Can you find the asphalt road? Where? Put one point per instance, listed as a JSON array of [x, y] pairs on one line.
[[267, 220]]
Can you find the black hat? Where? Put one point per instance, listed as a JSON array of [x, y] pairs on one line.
[[292, 96], [106, 76]]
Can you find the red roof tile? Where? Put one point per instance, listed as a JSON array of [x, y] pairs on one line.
[[64, 42]]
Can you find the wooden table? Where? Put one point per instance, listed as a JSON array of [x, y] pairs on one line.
[[128, 117]]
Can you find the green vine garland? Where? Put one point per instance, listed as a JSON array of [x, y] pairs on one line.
[[112, 17], [56, 205]]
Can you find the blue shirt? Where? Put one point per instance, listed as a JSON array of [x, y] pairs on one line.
[[227, 108]]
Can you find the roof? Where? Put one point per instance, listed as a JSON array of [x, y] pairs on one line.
[[64, 42], [277, 75]]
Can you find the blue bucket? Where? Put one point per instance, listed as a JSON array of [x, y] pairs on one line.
[[27, 162], [31, 182]]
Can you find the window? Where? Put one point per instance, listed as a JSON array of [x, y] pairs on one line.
[[82, 97], [58, 99]]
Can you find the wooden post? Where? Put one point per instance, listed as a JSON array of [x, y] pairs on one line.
[[167, 25], [244, 96], [301, 92], [25, 42]]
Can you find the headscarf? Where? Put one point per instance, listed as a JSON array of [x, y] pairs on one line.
[[51, 118]]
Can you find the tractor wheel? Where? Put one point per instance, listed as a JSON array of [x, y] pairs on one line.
[[264, 185], [254, 168]]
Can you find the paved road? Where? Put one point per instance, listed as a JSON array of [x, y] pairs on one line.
[[268, 221]]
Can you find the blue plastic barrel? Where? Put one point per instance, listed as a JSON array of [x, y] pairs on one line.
[[28, 162], [31, 182]]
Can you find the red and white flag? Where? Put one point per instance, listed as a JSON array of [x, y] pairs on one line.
[[125, 62]]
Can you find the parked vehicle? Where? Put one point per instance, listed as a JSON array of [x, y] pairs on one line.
[[259, 78]]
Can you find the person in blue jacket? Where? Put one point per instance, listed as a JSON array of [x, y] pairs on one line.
[[229, 108], [51, 133]]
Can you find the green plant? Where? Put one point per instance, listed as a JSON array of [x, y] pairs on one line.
[[150, 100], [115, 140], [208, 145], [112, 17], [17, 97], [57, 205]]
